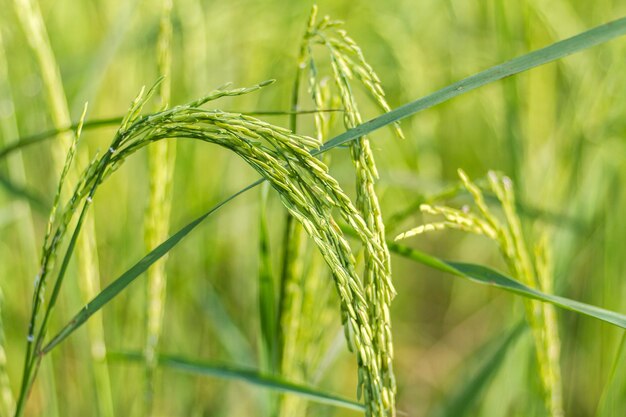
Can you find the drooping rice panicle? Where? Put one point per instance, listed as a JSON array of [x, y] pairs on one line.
[[534, 272], [551, 368], [347, 62]]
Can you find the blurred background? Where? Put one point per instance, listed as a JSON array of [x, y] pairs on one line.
[[558, 131]]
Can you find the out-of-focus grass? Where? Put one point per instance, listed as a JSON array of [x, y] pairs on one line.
[[558, 130]]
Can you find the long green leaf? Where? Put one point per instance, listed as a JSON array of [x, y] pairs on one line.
[[249, 376], [584, 40], [587, 39], [484, 275], [135, 271]]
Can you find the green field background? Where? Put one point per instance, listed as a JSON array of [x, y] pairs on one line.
[[559, 132]]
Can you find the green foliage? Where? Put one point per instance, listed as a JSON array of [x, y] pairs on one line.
[[556, 129]]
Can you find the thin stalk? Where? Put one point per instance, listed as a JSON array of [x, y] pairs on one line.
[[7, 402], [267, 297], [35, 344], [17, 171], [267, 305], [290, 301], [161, 162], [8, 125], [33, 25]]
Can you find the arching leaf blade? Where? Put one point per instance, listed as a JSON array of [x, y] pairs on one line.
[[133, 273], [247, 375], [483, 275], [592, 37]]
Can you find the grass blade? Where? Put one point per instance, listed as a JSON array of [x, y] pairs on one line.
[[582, 41], [484, 275], [130, 275], [249, 376]]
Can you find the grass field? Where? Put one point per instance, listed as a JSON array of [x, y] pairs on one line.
[[461, 259]]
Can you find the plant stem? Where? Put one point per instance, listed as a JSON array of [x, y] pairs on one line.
[[33, 25], [161, 161]]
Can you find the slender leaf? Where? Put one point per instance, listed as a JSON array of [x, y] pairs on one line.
[[484, 275], [130, 275], [584, 40], [246, 375]]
